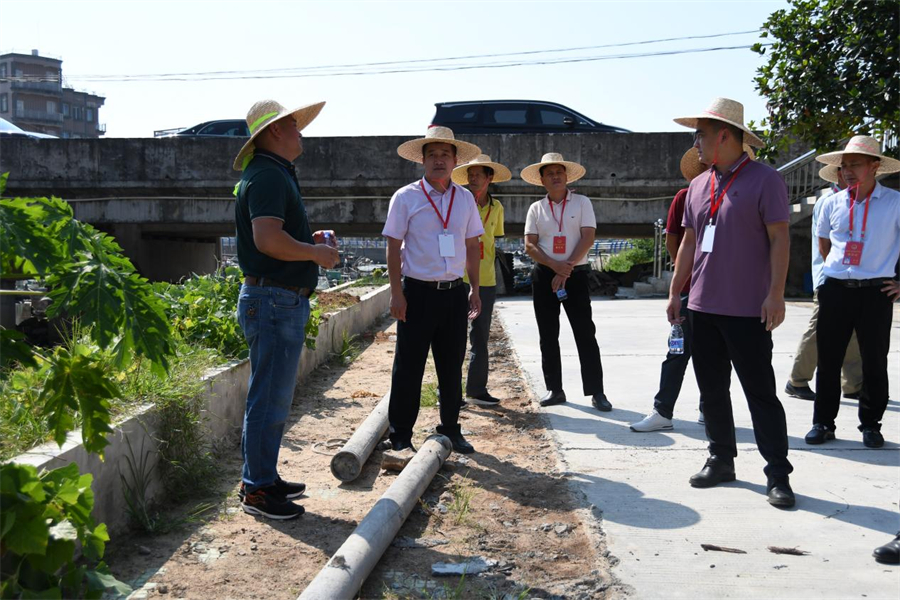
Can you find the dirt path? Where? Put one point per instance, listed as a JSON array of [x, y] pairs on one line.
[[505, 503]]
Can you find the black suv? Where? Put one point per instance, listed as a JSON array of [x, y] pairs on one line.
[[516, 116], [227, 127]]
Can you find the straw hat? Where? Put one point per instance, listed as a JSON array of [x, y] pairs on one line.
[[829, 173], [862, 144], [727, 111], [461, 173], [412, 150], [691, 165], [532, 173], [264, 113]]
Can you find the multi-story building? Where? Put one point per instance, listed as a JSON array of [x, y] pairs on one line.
[[33, 97]]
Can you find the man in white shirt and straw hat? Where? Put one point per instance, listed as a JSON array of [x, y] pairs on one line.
[[859, 236], [559, 231], [280, 257], [432, 230], [806, 357], [736, 248], [479, 174]]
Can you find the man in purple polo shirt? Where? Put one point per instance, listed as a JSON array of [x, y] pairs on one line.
[[735, 249]]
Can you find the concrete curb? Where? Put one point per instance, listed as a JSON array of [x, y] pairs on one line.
[[226, 390]]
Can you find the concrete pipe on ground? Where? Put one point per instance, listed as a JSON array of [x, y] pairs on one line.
[[347, 464], [344, 574]]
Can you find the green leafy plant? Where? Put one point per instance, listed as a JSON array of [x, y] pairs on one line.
[[831, 70], [642, 253], [463, 492], [43, 518], [45, 515]]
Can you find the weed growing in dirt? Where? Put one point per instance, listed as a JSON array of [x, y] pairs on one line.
[[429, 398], [350, 349], [463, 492]]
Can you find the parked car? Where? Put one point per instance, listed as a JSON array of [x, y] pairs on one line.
[[13, 130], [516, 116], [226, 127]]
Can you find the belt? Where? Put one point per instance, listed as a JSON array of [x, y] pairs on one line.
[[575, 269], [438, 285], [268, 282], [859, 283]]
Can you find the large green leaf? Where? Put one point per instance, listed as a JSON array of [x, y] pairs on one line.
[[101, 578], [25, 236], [13, 349]]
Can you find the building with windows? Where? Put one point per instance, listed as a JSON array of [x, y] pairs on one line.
[[32, 96]]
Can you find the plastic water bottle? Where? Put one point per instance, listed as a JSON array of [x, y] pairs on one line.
[[329, 239], [676, 339]]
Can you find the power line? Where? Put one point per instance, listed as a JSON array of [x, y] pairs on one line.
[[415, 69], [294, 71]]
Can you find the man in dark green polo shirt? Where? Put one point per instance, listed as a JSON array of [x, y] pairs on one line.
[[280, 258]]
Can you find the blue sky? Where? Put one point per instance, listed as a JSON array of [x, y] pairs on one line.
[[138, 37]]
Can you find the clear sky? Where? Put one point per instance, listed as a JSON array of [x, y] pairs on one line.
[[127, 38]]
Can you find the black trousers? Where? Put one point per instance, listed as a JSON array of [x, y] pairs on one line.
[[578, 311], [436, 320], [477, 378], [719, 342], [869, 312]]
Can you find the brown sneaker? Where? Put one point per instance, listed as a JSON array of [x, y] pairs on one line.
[[396, 460]]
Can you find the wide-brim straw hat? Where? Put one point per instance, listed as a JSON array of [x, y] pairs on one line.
[[862, 144], [691, 165], [727, 111], [461, 173], [264, 113], [412, 150], [830, 173], [532, 173]]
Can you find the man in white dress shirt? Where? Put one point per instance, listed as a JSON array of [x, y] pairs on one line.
[[432, 232]]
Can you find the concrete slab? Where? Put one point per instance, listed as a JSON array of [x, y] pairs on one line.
[[847, 495]]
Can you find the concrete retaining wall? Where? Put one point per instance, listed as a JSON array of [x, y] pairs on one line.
[[226, 390]]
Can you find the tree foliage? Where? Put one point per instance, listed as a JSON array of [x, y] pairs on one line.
[[832, 70]]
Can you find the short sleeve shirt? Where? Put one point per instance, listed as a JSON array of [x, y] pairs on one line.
[[547, 223], [491, 215], [412, 219], [674, 226], [881, 246], [734, 279], [269, 188]]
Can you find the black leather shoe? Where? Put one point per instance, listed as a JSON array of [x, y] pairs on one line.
[[802, 392], [872, 438], [398, 446], [819, 434], [779, 491], [714, 472], [889, 554], [552, 398], [852, 396], [601, 403], [484, 399], [460, 445]]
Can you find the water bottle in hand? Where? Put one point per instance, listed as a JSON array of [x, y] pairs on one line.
[[676, 339]]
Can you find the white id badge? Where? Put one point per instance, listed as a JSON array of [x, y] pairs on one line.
[[446, 244], [709, 236]]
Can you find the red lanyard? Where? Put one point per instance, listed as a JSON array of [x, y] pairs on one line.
[[487, 217], [444, 221], [716, 203], [562, 213], [865, 212]]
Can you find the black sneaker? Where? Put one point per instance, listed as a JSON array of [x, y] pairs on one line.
[[819, 434], [800, 391], [872, 437], [265, 502], [484, 399], [288, 489]]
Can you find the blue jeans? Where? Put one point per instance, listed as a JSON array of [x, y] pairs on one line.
[[274, 322]]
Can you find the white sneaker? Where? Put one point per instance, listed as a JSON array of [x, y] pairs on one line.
[[652, 422], [701, 420]]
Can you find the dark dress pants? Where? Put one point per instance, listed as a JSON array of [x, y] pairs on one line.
[[869, 312], [671, 374], [476, 380], [436, 320], [719, 342], [578, 311]]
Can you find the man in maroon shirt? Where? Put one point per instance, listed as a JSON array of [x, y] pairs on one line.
[[736, 247], [673, 367]]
